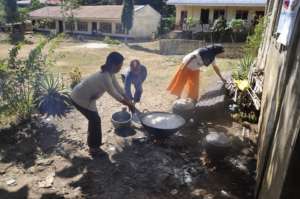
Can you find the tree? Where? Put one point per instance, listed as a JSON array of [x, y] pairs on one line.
[[127, 15], [159, 5], [35, 4], [11, 11], [67, 9], [2, 12]]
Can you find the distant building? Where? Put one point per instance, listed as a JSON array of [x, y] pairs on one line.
[[105, 20], [205, 12], [24, 3]]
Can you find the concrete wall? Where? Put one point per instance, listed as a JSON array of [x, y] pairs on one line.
[[230, 12], [182, 47]]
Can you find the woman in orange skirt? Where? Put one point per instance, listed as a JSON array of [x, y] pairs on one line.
[[187, 76]]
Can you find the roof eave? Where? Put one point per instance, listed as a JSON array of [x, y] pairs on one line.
[[218, 4], [77, 18]]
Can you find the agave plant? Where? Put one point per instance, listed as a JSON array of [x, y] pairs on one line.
[[53, 98]]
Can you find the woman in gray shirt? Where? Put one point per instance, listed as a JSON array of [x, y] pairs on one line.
[[85, 94]]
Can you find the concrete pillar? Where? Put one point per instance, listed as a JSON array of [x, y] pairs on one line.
[[89, 27], [113, 28], [211, 15]]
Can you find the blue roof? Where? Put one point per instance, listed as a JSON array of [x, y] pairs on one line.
[[240, 3]]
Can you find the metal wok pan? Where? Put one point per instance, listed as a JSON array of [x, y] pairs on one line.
[[161, 124]]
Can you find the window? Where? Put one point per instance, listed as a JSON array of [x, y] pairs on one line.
[[70, 25], [218, 13], [242, 14], [105, 27], [204, 17], [82, 26], [51, 25], [119, 29], [260, 13], [41, 24], [183, 17]]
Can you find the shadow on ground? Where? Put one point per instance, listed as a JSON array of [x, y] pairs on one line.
[[141, 48], [23, 143]]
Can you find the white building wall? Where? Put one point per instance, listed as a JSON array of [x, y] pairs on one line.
[[230, 12], [146, 22]]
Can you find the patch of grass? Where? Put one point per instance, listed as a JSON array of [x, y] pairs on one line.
[[111, 41]]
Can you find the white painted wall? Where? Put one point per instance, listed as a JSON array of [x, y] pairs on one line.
[[146, 22], [230, 12]]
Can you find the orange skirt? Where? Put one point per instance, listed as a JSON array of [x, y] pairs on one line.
[[187, 80]]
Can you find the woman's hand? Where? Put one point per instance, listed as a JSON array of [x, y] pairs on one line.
[[129, 104]]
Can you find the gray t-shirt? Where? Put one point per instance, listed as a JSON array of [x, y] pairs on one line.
[[92, 88]]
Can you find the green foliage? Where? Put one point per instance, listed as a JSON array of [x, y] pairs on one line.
[[190, 22], [254, 40], [35, 4], [11, 11], [21, 82], [2, 12], [243, 68], [219, 25], [23, 13], [53, 99], [167, 24], [159, 5], [127, 15], [75, 77], [111, 41], [237, 25]]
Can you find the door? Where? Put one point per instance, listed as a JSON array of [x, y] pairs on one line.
[[183, 16], [94, 27], [204, 17], [60, 27]]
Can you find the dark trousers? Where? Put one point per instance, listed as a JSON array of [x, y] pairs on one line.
[[94, 138]]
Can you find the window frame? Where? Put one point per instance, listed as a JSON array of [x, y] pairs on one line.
[[103, 25], [82, 26], [217, 13], [119, 26], [242, 14]]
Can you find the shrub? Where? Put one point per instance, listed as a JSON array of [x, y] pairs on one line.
[[111, 41], [167, 24], [53, 99], [22, 83], [237, 26], [75, 77], [254, 40], [243, 68]]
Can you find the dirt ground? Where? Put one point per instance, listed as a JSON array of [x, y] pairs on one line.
[[48, 157]]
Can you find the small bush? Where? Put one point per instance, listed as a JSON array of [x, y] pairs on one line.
[[111, 41], [243, 68], [23, 87], [254, 40], [53, 98], [75, 77], [167, 24]]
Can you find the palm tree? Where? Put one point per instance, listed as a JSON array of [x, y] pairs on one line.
[[127, 16]]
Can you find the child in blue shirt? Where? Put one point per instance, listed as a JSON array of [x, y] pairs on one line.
[[135, 76]]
